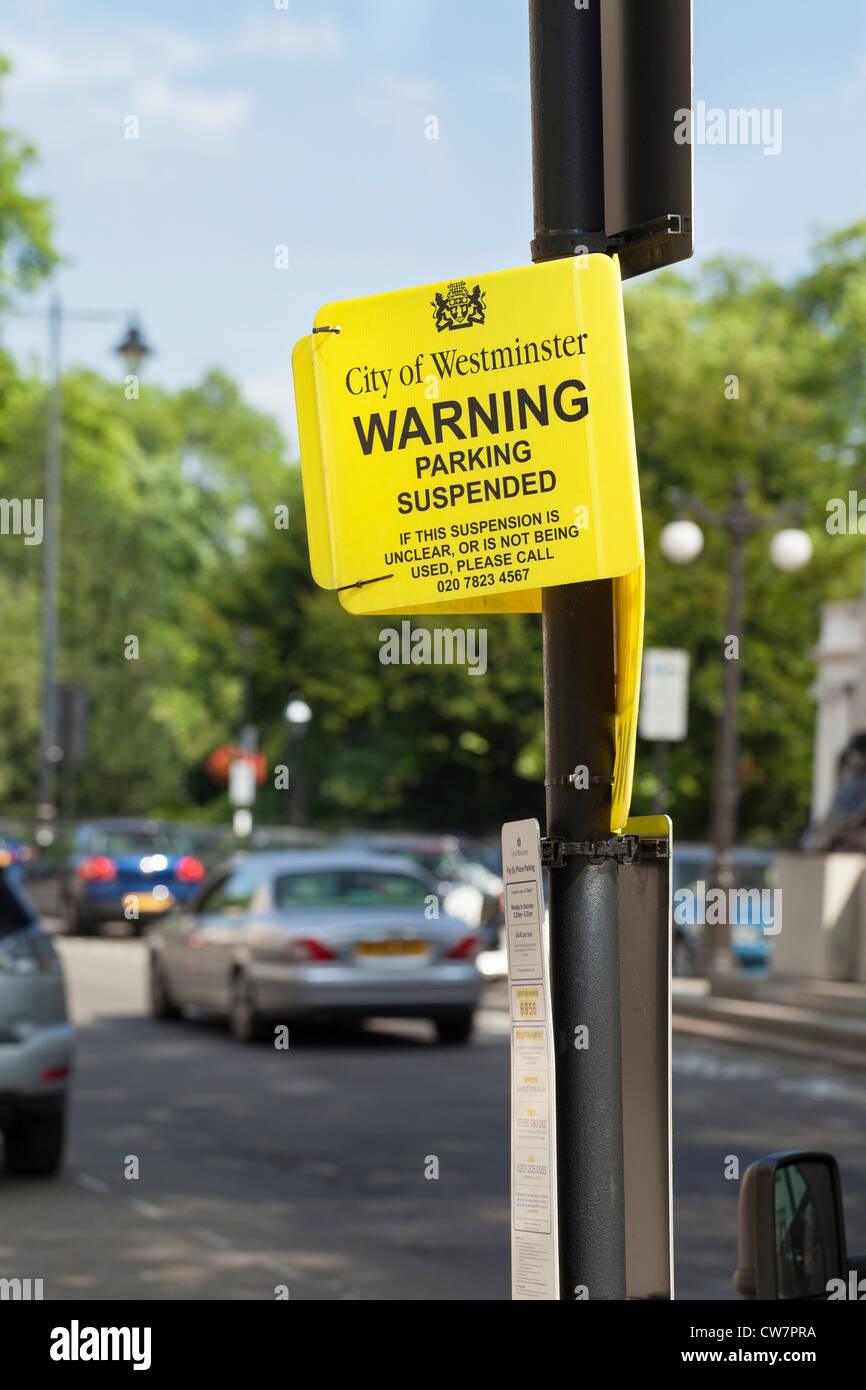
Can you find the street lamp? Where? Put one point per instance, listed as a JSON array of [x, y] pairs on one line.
[[682, 541], [790, 549], [297, 715], [133, 349]]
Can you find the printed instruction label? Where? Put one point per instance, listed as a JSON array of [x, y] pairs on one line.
[[534, 1241]]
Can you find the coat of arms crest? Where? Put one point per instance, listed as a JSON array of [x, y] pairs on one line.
[[459, 308]]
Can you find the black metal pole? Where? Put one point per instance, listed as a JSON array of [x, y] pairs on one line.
[[568, 177], [660, 758], [297, 814], [46, 809], [716, 958]]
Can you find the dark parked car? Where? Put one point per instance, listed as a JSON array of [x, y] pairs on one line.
[[127, 869]]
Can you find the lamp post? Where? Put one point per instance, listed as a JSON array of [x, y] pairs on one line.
[[49, 751], [297, 715], [133, 349], [681, 542]]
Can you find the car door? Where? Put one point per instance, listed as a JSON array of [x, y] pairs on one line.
[[181, 935], [216, 932]]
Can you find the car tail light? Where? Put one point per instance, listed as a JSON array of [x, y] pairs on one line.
[[97, 868], [306, 948], [189, 869], [55, 1074], [466, 949]]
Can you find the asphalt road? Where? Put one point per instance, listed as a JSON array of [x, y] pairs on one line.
[[306, 1168]]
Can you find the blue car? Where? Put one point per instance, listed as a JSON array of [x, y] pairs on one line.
[[126, 869], [14, 857]]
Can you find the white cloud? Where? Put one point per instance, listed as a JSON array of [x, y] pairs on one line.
[[389, 99], [168, 49], [282, 37], [141, 51], [408, 88], [141, 62], [205, 113], [32, 66]]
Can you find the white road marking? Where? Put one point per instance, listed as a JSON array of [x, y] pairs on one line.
[[92, 1184], [210, 1238], [287, 1274], [821, 1088], [705, 1068], [714, 1069], [146, 1208]]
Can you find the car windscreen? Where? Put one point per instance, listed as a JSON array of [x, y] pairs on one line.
[[15, 911], [439, 863], [347, 888]]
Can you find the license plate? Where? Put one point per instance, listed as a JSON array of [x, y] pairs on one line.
[[390, 948], [148, 903]]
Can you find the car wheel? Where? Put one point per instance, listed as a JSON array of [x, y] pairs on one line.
[[455, 1027], [34, 1144], [74, 924], [162, 1004], [245, 1022]]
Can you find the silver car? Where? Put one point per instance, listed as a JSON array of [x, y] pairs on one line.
[[313, 935], [35, 1038]]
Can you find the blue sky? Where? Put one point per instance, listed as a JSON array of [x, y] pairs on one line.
[[305, 127]]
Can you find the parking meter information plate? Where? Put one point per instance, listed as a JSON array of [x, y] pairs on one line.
[[534, 1246], [469, 441], [664, 706]]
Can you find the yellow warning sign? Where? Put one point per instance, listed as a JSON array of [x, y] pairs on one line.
[[628, 615], [466, 444]]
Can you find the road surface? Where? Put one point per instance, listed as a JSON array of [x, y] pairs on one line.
[[306, 1171]]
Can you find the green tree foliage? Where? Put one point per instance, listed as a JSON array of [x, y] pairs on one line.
[[26, 257], [26, 250], [160, 507]]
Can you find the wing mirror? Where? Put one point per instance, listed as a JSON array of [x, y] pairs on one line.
[[791, 1236]]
